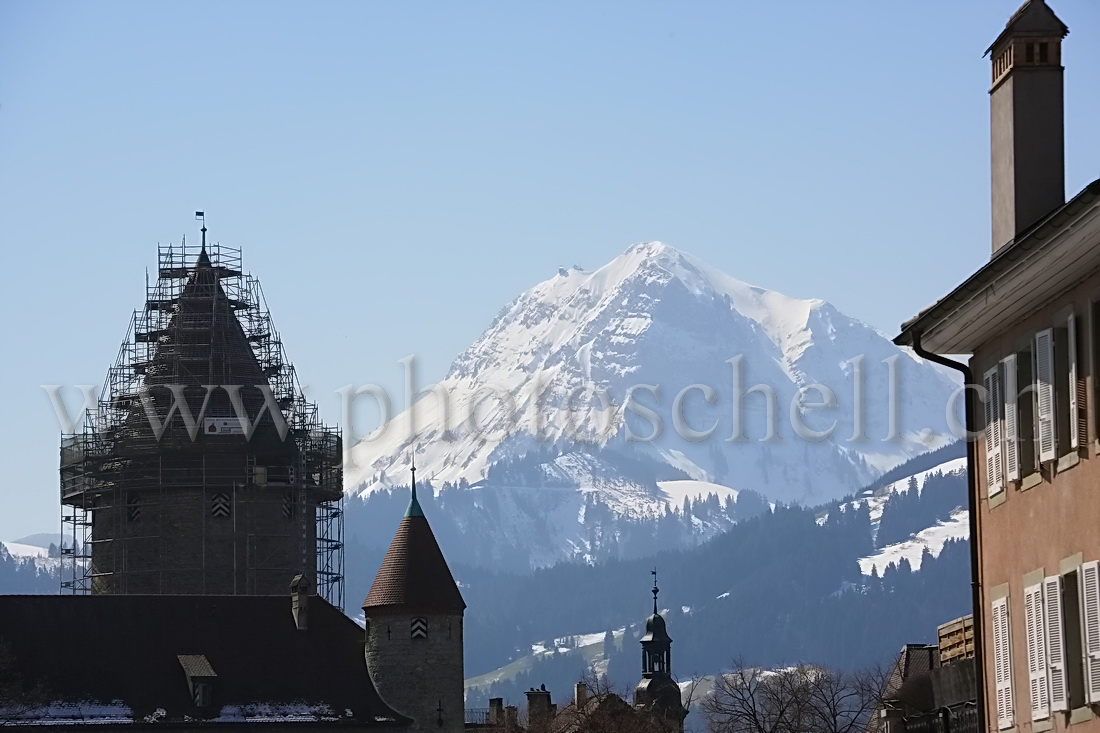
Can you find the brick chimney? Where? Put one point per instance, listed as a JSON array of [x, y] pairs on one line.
[[540, 712], [580, 695], [496, 711], [1026, 121]]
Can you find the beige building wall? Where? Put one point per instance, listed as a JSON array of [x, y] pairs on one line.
[[1046, 523]]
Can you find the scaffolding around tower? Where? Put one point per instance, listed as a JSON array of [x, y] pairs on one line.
[[225, 504]]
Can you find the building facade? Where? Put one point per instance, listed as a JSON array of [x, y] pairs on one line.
[[1030, 319]]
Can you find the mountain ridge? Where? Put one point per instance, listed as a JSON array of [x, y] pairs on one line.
[[578, 358]]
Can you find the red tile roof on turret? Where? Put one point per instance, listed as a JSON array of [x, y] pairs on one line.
[[414, 575]]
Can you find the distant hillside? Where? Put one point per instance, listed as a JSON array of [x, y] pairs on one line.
[[782, 587]]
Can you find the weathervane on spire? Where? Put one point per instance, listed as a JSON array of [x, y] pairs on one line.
[[201, 216], [656, 590]]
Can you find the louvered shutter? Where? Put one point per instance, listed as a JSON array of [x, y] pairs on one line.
[[1075, 439], [1002, 663], [1011, 414], [994, 470], [1044, 390], [1036, 652], [1056, 644], [1090, 628]]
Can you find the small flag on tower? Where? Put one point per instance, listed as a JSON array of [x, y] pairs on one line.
[[200, 214]]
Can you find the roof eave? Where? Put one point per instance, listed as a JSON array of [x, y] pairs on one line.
[[1025, 245]]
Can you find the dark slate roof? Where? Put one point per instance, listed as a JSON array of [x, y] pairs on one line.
[[909, 686], [106, 653], [655, 630], [414, 575]]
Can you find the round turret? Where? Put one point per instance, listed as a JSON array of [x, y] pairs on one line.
[[414, 629]]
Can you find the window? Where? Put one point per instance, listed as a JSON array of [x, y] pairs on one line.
[[1062, 624], [994, 468], [1067, 386], [1073, 637], [1044, 395], [1002, 663], [1011, 437], [220, 506], [418, 629], [1025, 409], [1071, 629], [1054, 625], [1090, 629], [133, 507], [1043, 52], [1037, 672]]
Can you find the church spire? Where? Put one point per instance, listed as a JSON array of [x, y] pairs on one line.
[[414, 509], [414, 575], [657, 691]]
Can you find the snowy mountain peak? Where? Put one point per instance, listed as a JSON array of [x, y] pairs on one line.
[[544, 391]]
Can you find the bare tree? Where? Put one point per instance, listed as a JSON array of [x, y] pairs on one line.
[[844, 702], [601, 708], [801, 699]]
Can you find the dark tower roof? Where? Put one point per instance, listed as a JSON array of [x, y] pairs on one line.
[[414, 575], [655, 630]]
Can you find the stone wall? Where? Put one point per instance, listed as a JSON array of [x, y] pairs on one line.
[[419, 677]]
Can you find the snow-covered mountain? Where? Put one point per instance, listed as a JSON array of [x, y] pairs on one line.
[[551, 380]]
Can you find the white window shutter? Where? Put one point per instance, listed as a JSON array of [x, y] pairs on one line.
[[1036, 652], [1090, 628], [1002, 663], [1056, 644], [1011, 414], [994, 469], [1071, 356], [1044, 391]]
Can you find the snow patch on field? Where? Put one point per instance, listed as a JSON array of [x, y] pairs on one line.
[[21, 550], [912, 549], [677, 491]]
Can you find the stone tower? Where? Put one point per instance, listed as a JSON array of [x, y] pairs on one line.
[[1026, 121], [657, 693], [414, 629], [205, 470]]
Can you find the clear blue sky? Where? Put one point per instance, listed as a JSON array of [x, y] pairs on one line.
[[398, 171]]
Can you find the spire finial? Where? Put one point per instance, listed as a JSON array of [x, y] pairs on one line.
[[656, 590], [203, 259], [201, 216], [414, 509]]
